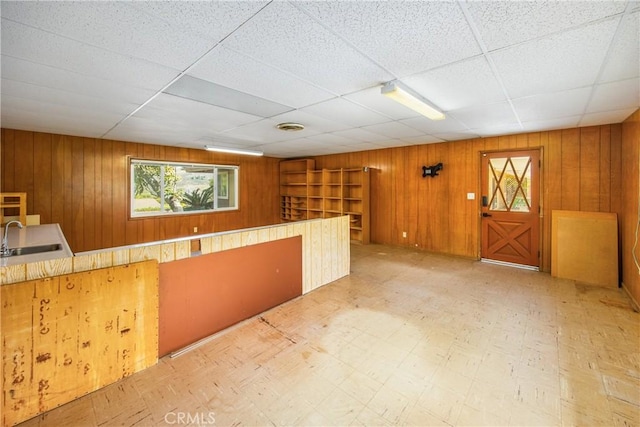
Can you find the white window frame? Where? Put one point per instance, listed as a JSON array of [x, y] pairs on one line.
[[215, 168]]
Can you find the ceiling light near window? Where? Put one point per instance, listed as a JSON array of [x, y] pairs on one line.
[[411, 100], [230, 150]]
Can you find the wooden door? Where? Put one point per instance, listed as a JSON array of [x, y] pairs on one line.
[[511, 207]]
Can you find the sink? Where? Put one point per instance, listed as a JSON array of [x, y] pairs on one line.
[[29, 250]]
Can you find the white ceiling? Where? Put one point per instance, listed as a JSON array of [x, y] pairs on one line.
[[106, 70]]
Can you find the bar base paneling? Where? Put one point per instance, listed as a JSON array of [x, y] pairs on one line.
[[202, 295], [66, 336]]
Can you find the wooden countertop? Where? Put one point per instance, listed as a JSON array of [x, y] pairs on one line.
[[35, 235]]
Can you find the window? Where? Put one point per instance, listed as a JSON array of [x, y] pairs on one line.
[[168, 188]]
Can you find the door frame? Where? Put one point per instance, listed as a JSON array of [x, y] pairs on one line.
[[541, 197]]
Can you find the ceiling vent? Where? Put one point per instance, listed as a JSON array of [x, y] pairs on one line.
[[290, 127]]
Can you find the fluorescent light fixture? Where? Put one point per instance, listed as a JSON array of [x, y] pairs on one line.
[[411, 100], [233, 150]]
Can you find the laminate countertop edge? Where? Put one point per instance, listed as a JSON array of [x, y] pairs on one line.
[[35, 235]]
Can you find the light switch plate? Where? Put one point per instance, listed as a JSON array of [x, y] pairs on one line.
[[471, 196]]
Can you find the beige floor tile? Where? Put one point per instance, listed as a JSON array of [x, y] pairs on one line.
[[419, 367], [420, 417], [391, 404], [368, 418], [477, 417], [340, 408], [444, 404], [526, 415], [360, 386], [452, 380], [579, 415], [409, 338]]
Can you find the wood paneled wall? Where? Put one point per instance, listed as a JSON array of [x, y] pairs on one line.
[[630, 196], [581, 171], [83, 184]]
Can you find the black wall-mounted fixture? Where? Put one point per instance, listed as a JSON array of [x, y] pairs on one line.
[[431, 170]]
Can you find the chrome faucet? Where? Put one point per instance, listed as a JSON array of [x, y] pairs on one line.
[[4, 249]]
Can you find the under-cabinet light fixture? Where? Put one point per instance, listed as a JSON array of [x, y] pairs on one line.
[[408, 98], [233, 150]]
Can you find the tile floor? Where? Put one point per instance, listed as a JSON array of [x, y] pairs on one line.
[[409, 338]]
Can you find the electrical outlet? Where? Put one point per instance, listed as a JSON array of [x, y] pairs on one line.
[[404, 234], [195, 229]]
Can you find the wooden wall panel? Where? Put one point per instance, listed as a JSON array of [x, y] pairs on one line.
[[442, 220], [590, 169], [83, 184], [630, 175], [570, 169]]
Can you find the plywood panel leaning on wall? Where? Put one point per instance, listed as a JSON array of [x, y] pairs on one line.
[[66, 336], [584, 247]]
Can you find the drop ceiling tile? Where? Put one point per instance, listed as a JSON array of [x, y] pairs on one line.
[[497, 130], [329, 139], [285, 38], [360, 135], [114, 26], [404, 37], [510, 22], [234, 70], [422, 139], [393, 130], [485, 116], [425, 125], [390, 143], [137, 131], [345, 112], [364, 146], [606, 117], [65, 99], [310, 121], [265, 132], [552, 105], [616, 96], [559, 62], [624, 59], [213, 138], [550, 124], [373, 99], [56, 118], [213, 20], [29, 44], [56, 78], [458, 85], [456, 136]]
